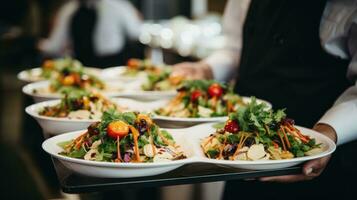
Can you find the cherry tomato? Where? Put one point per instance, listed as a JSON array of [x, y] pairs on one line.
[[195, 95], [117, 129], [133, 63], [68, 80], [215, 90], [231, 126], [48, 64]]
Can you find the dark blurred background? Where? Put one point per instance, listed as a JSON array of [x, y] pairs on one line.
[[26, 171]]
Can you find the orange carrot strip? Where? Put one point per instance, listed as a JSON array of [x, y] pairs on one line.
[[282, 141], [136, 146], [286, 137]]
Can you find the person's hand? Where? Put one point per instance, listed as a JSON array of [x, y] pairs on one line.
[[193, 70], [311, 169]]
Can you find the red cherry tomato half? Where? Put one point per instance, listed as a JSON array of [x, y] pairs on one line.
[[231, 126], [215, 90], [117, 129], [133, 63], [195, 95]]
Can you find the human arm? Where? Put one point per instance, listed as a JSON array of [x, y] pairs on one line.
[[223, 62], [59, 37], [130, 19]]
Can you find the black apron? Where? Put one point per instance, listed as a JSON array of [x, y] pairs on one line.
[[82, 29], [283, 62]]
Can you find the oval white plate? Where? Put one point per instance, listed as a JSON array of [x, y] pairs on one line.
[[33, 75], [114, 170], [180, 122], [189, 140], [133, 90], [56, 125], [204, 130], [39, 97], [117, 73]]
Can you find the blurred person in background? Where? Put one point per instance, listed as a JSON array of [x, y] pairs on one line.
[[96, 32], [295, 54]]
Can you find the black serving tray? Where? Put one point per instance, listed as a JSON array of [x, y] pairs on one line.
[[187, 174]]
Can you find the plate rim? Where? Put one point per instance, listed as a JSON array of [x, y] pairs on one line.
[[331, 147]]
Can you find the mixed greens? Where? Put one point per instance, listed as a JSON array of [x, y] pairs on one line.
[[74, 76], [161, 80], [52, 68], [202, 98], [255, 132], [135, 66], [124, 137], [80, 104]]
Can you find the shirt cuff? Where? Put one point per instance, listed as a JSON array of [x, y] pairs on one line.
[[223, 66], [343, 118]]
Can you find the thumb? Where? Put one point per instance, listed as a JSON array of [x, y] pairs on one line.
[[315, 167]]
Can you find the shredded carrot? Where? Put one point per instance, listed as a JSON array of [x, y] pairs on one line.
[[136, 146], [275, 144], [286, 137], [282, 141], [229, 107]]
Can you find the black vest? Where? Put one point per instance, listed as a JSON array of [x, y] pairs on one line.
[[283, 62], [82, 29]]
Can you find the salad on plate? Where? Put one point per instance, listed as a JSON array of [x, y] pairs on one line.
[[80, 104], [52, 68], [135, 66], [124, 138], [161, 79], [202, 99], [255, 132], [75, 78]]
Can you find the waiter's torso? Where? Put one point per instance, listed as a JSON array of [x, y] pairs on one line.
[[283, 62]]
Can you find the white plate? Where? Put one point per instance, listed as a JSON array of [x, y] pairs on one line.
[[133, 90], [117, 73], [43, 85], [34, 74], [189, 140], [114, 170], [181, 122], [56, 125], [204, 130]]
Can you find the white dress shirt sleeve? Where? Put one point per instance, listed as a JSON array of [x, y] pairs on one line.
[[343, 115], [130, 20], [225, 61], [59, 37]]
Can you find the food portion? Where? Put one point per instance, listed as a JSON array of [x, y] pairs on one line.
[[52, 68], [161, 80], [135, 66], [75, 77], [124, 137], [202, 98], [256, 132], [80, 104], [72, 77]]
